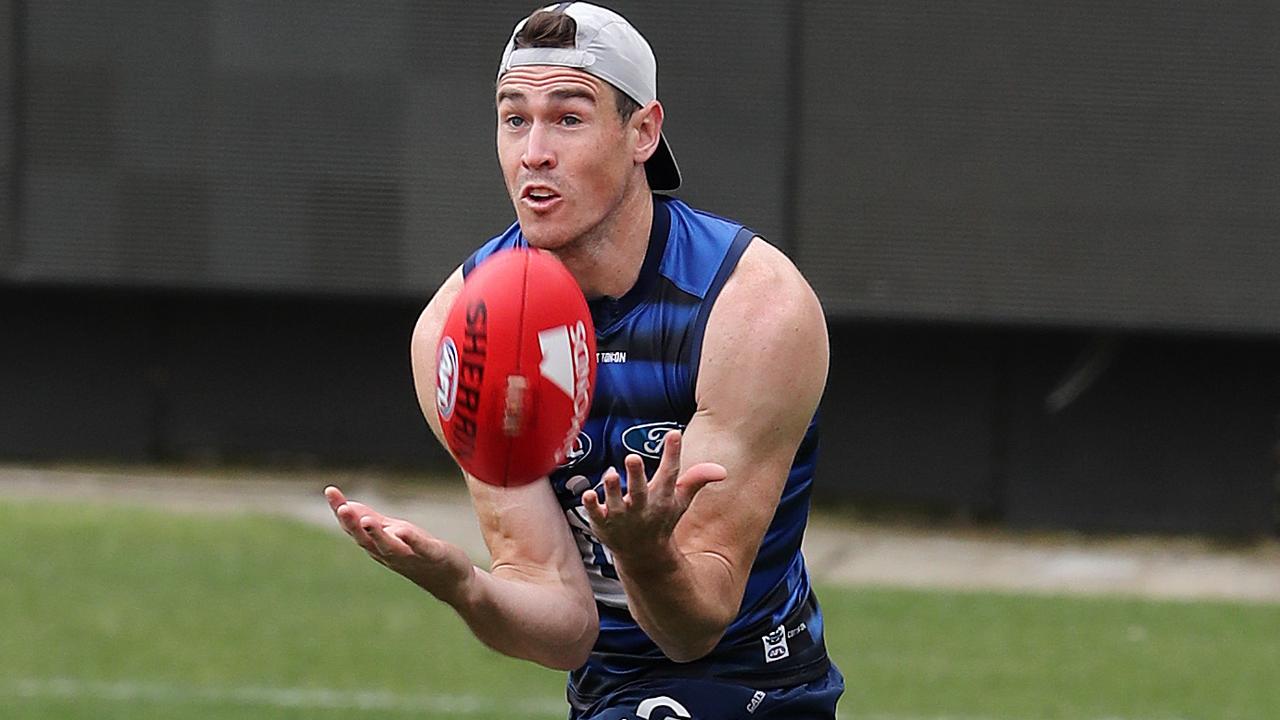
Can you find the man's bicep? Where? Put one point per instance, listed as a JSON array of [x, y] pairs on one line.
[[522, 527], [761, 376], [424, 346]]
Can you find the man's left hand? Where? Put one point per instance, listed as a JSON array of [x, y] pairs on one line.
[[646, 516]]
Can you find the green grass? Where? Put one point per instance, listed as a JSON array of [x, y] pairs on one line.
[[115, 613]]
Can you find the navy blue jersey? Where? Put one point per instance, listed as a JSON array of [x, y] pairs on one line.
[[708, 699], [649, 343]]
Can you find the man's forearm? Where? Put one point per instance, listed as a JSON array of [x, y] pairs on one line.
[[683, 602], [523, 617]]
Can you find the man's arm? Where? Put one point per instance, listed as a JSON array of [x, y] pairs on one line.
[[762, 372], [535, 601]]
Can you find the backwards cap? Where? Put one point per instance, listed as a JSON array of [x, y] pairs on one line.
[[607, 46]]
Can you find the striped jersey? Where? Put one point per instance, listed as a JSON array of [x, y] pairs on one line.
[[649, 344]]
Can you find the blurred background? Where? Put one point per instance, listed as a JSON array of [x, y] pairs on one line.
[[1045, 235]]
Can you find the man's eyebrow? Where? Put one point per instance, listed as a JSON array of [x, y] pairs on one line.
[[572, 93], [510, 95]]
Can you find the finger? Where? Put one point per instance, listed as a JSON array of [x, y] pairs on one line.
[[596, 512], [696, 478], [349, 521], [417, 542], [335, 497], [637, 483], [350, 512], [669, 466], [430, 549], [362, 510], [386, 543], [613, 491]]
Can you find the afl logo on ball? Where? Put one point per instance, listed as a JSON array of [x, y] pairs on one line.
[[447, 378]]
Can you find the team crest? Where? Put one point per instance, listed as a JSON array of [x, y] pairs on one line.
[[775, 645]]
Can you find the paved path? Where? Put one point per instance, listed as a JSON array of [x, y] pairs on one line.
[[837, 551]]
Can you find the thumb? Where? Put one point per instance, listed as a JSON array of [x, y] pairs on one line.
[[696, 478]]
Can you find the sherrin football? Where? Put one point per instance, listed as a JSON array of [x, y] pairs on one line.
[[516, 368]]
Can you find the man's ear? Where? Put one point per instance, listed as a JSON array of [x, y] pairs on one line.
[[647, 122]]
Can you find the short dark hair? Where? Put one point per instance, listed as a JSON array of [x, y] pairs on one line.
[[555, 29]]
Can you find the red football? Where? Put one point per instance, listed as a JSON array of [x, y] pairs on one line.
[[516, 368]]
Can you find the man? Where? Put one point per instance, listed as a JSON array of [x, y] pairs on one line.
[[661, 565]]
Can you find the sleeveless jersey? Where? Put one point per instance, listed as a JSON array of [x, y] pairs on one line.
[[649, 343]]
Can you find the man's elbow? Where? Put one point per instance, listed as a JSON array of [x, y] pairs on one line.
[[570, 656], [696, 643], [687, 652], [566, 661]]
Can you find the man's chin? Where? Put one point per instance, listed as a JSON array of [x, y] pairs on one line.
[[544, 243], [545, 235]]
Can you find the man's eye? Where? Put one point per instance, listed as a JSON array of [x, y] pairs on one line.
[[571, 120], [515, 121]]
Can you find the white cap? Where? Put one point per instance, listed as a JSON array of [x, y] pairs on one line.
[[608, 47]]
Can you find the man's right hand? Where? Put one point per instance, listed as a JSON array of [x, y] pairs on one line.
[[438, 567]]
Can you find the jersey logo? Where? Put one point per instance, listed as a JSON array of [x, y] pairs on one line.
[[447, 378], [646, 439], [580, 449], [775, 645]]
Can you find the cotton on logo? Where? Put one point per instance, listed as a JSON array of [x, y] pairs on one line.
[[566, 363]]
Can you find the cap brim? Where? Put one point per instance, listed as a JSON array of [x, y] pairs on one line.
[[661, 168]]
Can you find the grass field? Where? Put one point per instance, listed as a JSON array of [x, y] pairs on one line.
[[114, 613]]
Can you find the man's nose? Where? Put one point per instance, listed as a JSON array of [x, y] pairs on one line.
[[538, 153]]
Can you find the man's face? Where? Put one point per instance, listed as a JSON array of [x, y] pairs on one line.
[[566, 156]]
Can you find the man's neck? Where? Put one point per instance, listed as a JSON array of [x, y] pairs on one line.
[[609, 263]]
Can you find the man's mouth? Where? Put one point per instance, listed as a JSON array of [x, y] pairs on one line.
[[539, 197]]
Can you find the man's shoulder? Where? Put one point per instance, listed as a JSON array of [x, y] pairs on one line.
[[768, 300], [702, 250], [765, 278], [766, 339]]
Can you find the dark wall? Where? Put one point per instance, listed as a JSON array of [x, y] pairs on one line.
[[1099, 164], [910, 417], [219, 218], [75, 377], [1173, 434], [1103, 165], [145, 377], [8, 134], [1063, 429], [332, 147]]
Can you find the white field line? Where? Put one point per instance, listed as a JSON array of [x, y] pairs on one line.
[[346, 700], [278, 697]]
